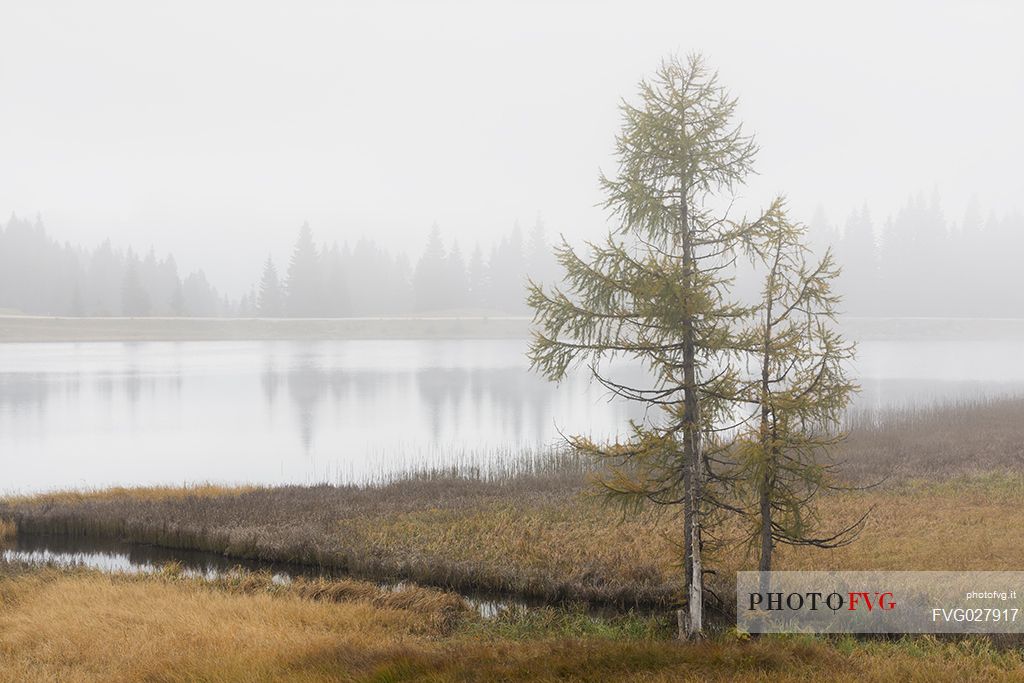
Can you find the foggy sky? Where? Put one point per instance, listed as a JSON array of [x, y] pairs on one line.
[[214, 129]]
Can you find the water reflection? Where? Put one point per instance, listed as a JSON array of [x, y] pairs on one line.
[[27, 392], [114, 556], [270, 412]]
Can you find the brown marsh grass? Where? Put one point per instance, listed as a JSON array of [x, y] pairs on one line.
[[951, 497], [965, 438], [85, 626], [140, 493]]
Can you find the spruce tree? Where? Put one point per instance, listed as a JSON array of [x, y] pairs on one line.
[[270, 301], [477, 276], [507, 272], [134, 298], [178, 308], [303, 285], [336, 291], [541, 265], [77, 308], [456, 280], [430, 277]]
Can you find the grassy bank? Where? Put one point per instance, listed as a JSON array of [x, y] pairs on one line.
[[952, 494], [951, 497], [83, 626], [476, 536]]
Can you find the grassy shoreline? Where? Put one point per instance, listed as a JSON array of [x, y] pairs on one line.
[[18, 329], [952, 497], [77, 625], [544, 535], [484, 539], [26, 329], [40, 330]]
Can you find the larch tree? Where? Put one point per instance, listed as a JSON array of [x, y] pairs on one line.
[[799, 392], [657, 290]]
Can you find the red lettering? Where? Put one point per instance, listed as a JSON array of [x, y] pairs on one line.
[[853, 600], [883, 601]]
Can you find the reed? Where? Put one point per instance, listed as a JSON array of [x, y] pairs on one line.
[[535, 528]]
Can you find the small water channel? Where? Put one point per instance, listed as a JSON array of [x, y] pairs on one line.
[[114, 556]]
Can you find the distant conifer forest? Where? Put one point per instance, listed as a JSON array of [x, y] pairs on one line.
[[915, 263]]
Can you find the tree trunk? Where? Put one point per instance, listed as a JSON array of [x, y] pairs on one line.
[[767, 431], [696, 597], [765, 486], [767, 545], [691, 622]]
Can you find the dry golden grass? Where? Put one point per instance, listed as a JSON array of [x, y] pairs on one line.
[[549, 548], [962, 524], [536, 537], [561, 548], [93, 627], [970, 523], [140, 493], [82, 626], [8, 530], [967, 523], [544, 536], [781, 660], [541, 536]]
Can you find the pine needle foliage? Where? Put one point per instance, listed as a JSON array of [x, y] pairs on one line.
[[657, 290], [799, 394]]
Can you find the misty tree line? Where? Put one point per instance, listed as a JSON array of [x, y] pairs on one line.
[[41, 276], [332, 281], [916, 263], [921, 263]]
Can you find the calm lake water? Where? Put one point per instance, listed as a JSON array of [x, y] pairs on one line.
[[97, 414], [115, 557]]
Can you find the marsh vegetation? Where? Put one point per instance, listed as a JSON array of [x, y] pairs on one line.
[[85, 626], [537, 532]]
